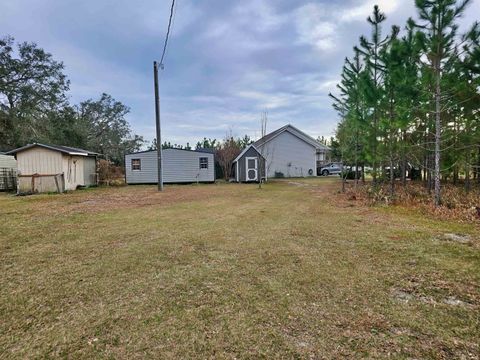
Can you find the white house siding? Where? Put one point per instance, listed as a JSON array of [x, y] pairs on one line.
[[178, 166], [289, 155]]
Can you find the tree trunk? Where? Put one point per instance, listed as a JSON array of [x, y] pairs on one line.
[[438, 134], [404, 159], [467, 173], [356, 163], [477, 170]]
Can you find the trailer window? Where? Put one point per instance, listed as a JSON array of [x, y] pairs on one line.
[[203, 163], [136, 164]]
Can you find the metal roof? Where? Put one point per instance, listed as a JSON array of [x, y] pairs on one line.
[[201, 150], [63, 149]]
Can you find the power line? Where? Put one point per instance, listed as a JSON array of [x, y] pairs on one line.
[[168, 33]]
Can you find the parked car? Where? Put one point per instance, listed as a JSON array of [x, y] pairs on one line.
[[330, 169]]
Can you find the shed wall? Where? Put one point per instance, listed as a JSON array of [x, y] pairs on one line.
[[90, 171], [179, 166], [76, 170], [39, 161], [242, 166], [8, 161]]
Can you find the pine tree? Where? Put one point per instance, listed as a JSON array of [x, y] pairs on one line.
[[439, 30], [371, 50]]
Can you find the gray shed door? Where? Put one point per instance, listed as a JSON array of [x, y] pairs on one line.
[[252, 168]]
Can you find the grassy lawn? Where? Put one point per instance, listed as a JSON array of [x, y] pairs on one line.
[[231, 271]]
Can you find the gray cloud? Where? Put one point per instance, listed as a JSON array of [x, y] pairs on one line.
[[227, 60]]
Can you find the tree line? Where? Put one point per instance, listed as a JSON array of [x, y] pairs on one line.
[[34, 107], [411, 99]]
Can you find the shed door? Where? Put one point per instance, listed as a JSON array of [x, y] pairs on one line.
[[252, 168]]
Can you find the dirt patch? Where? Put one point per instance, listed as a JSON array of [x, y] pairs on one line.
[[459, 238], [299, 184], [404, 296], [451, 300], [128, 197]]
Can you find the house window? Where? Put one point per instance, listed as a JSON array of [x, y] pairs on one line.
[[203, 163], [136, 164]]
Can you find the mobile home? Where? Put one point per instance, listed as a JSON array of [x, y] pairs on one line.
[[8, 172], [178, 165]]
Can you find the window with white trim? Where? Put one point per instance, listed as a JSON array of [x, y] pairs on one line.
[[203, 163], [136, 164]]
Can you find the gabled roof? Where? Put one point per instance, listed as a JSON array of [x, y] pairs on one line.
[[63, 149], [245, 150], [294, 131]]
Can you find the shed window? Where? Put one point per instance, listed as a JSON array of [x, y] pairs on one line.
[[203, 163], [136, 164]]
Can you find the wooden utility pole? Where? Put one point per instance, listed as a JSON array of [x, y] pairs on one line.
[[157, 121]]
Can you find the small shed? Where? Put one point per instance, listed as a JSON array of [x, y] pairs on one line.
[[8, 172], [178, 165], [54, 168], [249, 165]]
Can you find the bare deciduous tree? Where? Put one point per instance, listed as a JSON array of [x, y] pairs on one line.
[[226, 152]]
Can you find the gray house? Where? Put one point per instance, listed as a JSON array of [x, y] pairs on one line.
[[249, 165], [289, 152], [179, 166]]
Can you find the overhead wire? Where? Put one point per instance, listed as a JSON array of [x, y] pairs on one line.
[[168, 34]]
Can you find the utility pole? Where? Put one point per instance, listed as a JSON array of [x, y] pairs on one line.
[[157, 121]]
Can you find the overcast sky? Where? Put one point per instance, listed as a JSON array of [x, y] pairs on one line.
[[227, 61]]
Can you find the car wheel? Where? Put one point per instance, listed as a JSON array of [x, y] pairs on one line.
[[325, 172]]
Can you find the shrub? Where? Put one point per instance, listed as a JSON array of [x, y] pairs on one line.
[[279, 174], [110, 174]]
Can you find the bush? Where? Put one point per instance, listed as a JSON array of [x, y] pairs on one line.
[[350, 174], [110, 174], [279, 174]]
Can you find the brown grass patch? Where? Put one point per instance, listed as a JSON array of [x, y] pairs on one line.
[[232, 271]]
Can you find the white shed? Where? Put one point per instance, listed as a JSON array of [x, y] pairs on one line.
[[179, 166], [52, 168]]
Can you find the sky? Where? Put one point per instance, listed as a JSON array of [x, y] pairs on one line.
[[226, 63]]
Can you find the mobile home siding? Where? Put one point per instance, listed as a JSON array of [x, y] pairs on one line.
[[179, 166], [8, 170], [8, 162], [288, 154]]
